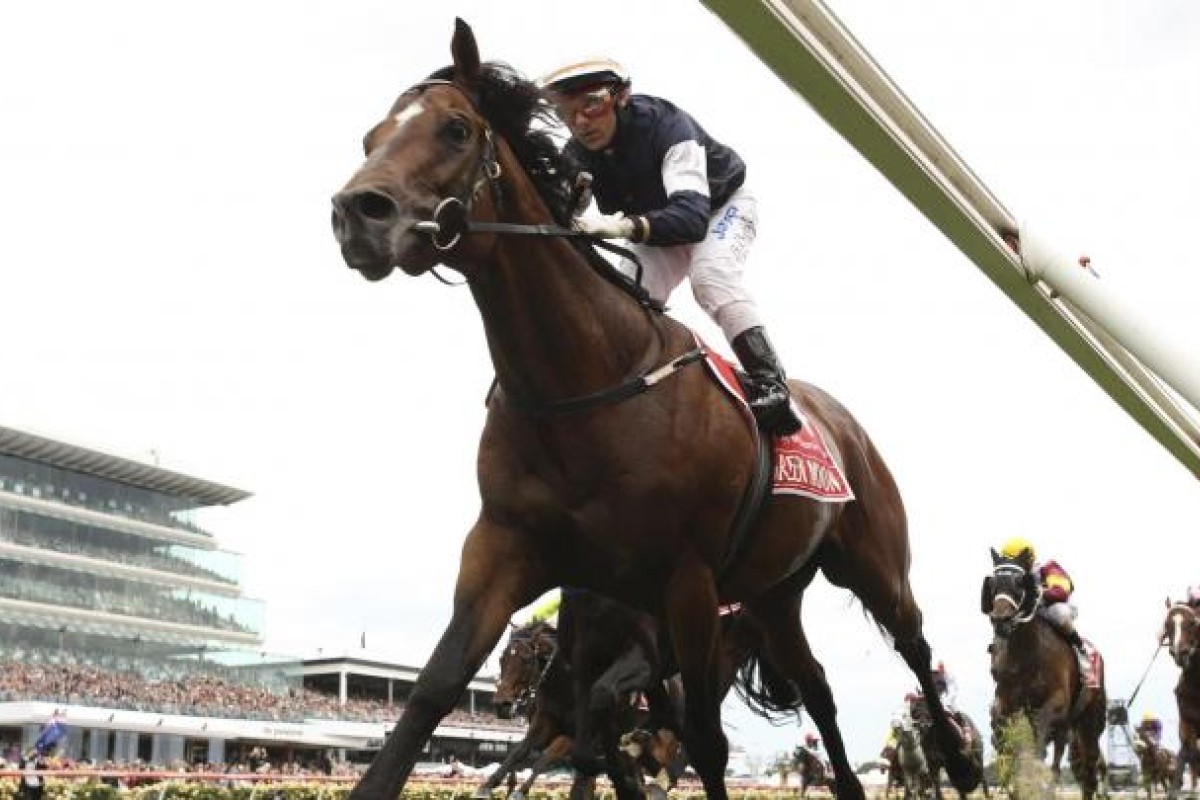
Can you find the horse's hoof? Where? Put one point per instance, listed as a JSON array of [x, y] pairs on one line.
[[655, 792]]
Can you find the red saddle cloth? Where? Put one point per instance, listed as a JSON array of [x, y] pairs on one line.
[[803, 463], [1093, 676]]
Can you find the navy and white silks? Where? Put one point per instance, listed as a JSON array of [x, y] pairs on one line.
[[663, 166]]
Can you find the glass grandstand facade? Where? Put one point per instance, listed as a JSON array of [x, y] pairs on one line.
[[121, 614], [108, 585]]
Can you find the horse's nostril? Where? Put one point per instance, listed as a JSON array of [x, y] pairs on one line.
[[372, 205]]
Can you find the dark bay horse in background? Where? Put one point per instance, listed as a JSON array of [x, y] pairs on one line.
[[923, 721], [810, 767], [1157, 765], [596, 652], [533, 682], [1181, 634], [634, 493], [1037, 674]]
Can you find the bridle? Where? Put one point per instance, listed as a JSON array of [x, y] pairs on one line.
[[533, 656], [1018, 575]]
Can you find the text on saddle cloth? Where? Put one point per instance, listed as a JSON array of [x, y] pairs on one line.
[[803, 463], [1093, 671]]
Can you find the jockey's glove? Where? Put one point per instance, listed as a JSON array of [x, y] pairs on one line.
[[610, 226]]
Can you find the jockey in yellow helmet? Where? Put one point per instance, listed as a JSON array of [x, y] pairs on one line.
[[1149, 730], [1056, 587]]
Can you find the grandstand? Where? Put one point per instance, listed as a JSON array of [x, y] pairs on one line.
[[118, 610]]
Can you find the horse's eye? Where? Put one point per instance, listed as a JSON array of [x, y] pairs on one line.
[[457, 132]]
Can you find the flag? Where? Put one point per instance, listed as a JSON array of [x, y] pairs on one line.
[[54, 731]]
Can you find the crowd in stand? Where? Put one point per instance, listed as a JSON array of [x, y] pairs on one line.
[[195, 694]]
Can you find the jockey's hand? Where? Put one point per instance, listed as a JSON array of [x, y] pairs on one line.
[[605, 226]]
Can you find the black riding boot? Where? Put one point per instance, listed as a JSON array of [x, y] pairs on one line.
[[770, 401]]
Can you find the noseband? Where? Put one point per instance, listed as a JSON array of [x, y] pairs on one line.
[[1017, 574]]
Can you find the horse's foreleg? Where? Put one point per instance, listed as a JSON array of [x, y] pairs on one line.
[[690, 609], [495, 578], [555, 753], [516, 756]]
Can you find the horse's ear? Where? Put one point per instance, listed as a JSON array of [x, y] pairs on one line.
[[466, 53], [1168, 601], [996, 559]]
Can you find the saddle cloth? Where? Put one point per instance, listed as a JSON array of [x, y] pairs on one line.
[[803, 464]]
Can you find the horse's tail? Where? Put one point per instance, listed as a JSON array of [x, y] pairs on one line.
[[765, 690]]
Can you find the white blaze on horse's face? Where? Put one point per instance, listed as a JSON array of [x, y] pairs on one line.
[[407, 113]]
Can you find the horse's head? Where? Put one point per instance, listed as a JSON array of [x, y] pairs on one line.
[[1180, 632], [1010, 594], [523, 664], [434, 144], [433, 165]]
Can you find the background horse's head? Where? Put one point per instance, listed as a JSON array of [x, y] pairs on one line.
[[438, 155], [523, 665], [1010, 594], [1180, 632]]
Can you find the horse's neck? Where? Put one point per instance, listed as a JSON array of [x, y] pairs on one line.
[[1025, 651], [555, 327]]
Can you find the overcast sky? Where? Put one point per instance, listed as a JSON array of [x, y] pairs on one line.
[[169, 282]]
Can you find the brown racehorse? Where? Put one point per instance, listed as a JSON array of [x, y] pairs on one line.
[[810, 767], [585, 479], [532, 681], [1037, 674], [1157, 765], [919, 710], [1181, 634]]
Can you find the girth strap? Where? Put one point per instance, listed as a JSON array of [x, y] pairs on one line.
[[751, 505]]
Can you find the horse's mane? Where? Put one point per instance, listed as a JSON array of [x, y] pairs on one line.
[[520, 113]]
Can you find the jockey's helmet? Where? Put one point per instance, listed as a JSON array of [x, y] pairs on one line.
[[581, 75], [1017, 545], [1149, 718], [810, 739], [1194, 594]]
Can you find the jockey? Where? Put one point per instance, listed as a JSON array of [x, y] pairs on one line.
[[1056, 587], [1149, 730], [1193, 597], [678, 195], [811, 742], [945, 685]]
